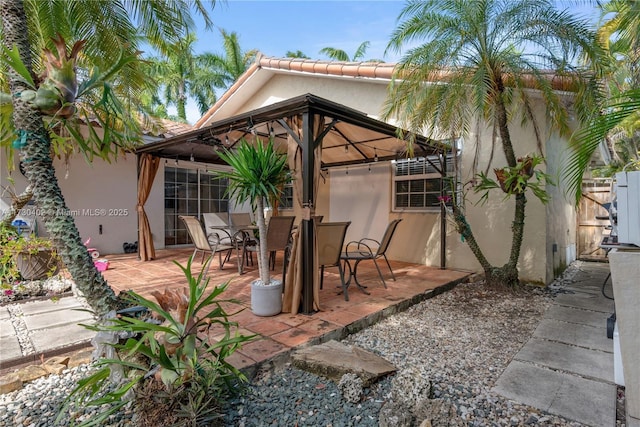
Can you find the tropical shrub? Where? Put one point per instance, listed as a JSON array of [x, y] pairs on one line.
[[159, 357], [13, 244]]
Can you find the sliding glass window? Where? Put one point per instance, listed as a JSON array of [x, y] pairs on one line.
[[190, 192]]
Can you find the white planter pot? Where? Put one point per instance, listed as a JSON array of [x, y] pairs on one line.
[[266, 300]]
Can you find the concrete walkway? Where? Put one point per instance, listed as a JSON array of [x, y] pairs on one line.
[[49, 326], [566, 368]]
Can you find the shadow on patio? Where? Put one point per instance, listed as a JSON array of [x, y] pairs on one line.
[[283, 332]]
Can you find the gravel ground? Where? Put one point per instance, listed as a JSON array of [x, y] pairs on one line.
[[459, 341]]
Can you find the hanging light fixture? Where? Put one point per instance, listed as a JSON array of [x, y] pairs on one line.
[[191, 158], [375, 155], [226, 139], [346, 148], [250, 126], [347, 170], [271, 131]]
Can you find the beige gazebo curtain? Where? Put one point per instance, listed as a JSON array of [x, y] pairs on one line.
[[294, 281], [147, 168]]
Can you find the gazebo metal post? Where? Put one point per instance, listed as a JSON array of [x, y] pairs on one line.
[[308, 237]]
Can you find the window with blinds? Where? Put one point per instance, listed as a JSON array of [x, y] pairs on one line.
[[418, 184]]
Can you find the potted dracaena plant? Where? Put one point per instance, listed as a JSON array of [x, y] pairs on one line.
[[258, 175]]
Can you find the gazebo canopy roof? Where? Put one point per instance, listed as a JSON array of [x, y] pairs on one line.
[[354, 138]]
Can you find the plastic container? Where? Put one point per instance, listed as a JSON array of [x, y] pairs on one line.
[[101, 264]]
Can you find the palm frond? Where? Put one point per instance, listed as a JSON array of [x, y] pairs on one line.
[[336, 54], [587, 139]]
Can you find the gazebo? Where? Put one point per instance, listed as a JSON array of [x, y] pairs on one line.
[[317, 135]]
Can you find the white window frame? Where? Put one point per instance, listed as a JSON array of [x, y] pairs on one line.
[[417, 169]]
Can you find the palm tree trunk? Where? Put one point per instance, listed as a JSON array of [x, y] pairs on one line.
[[38, 168], [508, 274], [502, 120], [263, 259], [464, 229], [182, 102], [518, 229]]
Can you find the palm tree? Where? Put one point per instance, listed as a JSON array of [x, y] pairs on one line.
[[341, 55], [108, 31], [617, 119], [232, 64], [488, 52], [182, 74], [296, 54]]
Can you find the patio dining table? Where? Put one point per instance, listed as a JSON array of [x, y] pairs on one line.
[[241, 237]]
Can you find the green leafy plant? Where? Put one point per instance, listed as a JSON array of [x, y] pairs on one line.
[[14, 244], [71, 104], [168, 350], [259, 174], [516, 180]]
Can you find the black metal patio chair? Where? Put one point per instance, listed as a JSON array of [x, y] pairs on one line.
[[364, 250]]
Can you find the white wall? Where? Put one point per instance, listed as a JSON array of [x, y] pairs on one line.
[[562, 226], [97, 193], [362, 197], [366, 96], [491, 222]]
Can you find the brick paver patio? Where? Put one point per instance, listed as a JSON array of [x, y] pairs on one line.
[[282, 333]]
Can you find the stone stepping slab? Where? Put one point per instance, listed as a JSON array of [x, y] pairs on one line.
[[334, 359]]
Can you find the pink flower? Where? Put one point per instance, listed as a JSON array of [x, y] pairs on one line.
[[8, 292]]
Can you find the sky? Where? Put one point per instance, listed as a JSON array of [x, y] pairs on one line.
[[275, 27]]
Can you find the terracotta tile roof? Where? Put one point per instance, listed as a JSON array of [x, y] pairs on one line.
[[372, 70], [164, 128], [337, 68], [171, 128], [365, 70]]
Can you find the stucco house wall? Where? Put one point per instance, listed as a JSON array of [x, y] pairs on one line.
[[97, 194], [103, 193], [364, 197]]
